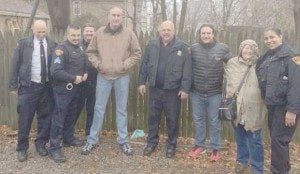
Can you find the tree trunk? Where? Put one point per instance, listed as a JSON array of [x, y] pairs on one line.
[[297, 22], [59, 11], [33, 12], [155, 18], [163, 9], [134, 21], [174, 13], [182, 17]]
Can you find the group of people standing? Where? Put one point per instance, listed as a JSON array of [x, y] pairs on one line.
[[56, 81]]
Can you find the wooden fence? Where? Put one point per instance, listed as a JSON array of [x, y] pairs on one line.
[[137, 106]]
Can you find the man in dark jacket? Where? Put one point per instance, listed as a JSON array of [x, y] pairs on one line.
[[68, 70], [30, 80], [167, 67], [208, 58], [88, 88]]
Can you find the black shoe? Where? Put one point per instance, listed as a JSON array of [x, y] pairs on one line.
[[75, 142], [41, 149], [170, 153], [57, 156], [22, 155], [149, 150]]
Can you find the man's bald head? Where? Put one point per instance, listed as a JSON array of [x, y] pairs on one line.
[[39, 29], [167, 31], [115, 17]]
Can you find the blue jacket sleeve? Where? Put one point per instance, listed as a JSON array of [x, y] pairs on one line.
[[14, 74], [293, 95]]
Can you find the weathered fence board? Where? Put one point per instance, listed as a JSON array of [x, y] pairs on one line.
[[137, 105]]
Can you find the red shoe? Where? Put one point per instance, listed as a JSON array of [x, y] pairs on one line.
[[215, 156], [196, 151]]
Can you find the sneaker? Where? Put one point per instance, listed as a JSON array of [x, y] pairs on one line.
[[87, 148], [215, 156], [126, 148], [196, 151], [170, 153]]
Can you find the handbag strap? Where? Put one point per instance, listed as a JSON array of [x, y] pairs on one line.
[[242, 82]]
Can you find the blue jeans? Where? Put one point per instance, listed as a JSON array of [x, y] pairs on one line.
[[250, 149], [103, 90], [201, 105]]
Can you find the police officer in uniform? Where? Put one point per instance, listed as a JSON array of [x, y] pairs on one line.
[[30, 80], [68, 70], [279, 83], [88, 88]]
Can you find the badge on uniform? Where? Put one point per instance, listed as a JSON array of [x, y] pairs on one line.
[[57, 60], [297, 60], [59, 52], [179, 53]]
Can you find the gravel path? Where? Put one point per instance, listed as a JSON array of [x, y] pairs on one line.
[[108, 158]]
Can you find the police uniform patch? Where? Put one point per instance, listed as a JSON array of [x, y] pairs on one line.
[[297, 60], [57, 60], [59, 52]]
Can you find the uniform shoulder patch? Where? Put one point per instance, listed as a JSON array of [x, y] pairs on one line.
[[59, 52], [57, 60], [296, 60]]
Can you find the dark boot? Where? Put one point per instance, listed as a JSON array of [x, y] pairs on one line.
[[22, 155], [41, 149], [57, 156]]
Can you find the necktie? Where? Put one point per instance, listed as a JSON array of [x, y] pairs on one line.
[[43, 63]]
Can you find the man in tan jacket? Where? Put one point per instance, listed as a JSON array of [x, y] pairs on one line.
[[113, 50]]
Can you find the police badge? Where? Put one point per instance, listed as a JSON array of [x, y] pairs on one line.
[[179, 53]]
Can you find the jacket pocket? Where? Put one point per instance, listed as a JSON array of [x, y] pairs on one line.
[[176, 72], [282, 88]]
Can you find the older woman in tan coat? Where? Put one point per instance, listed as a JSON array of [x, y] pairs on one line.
[[250, 108]]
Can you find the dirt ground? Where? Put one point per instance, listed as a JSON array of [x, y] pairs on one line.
[[108, 158]]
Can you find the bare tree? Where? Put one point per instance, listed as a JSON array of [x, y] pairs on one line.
[[297, 22], [174, 13], [182, 17], [163, 9], [59, 11], [155, 15]]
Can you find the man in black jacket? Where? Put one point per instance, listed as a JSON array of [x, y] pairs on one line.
[[167, 67], [208, 57], [88, 88], [68, 70], [30, 80]]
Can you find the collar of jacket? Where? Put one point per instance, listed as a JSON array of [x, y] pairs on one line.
[[113, 32], [72, 45], [207, 45], [248, 62], [29, 40], [84, 43], [281, 51], [176, 45]]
